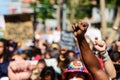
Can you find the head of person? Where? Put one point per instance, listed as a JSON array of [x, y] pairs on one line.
[[118, 45], [71, 55], [48, 73], [41, 64], [2, 46], [76, 71], [12, 46]]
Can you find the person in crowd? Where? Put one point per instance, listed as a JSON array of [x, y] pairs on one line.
[[4, 58], [117, 45], [114, 47], [35, 74], [115, 57], [71, 55], [47, 55], [76, 70], [41, 64], [109, 68], [63, 60], [55, 50], [12, 46], [114, 52], [48, 73], [90, 60], [100, 49]]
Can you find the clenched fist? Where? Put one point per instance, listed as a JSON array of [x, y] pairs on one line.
[[80, 29], [19, 70], [100, 46]]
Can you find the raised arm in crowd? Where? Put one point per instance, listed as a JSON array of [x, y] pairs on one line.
[[89, 59]]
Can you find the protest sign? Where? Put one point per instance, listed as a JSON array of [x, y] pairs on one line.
[[22, 31], [2, 26], [67, 40], [19, 27]]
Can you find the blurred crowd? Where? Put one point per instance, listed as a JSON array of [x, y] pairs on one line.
[[50, 61]]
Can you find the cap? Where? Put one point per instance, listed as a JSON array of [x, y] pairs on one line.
[[55, 46], [77, 66]]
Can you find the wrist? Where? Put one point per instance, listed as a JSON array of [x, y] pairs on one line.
[[80, 39], [103, 52], [105, 56]]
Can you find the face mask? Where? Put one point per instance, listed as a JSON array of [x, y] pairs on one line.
[[71, 58]]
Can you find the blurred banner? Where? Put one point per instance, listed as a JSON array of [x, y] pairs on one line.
[[19, 27], [109, 13], [2, 26], [67, 40]]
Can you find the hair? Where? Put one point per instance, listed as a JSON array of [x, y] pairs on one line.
[[48, 71], [63, 64], [84, 74], [4, 41], [36, 51], [42, 61], [115, 56], [6, 53]]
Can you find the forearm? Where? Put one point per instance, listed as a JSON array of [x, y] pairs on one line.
[[87, 55], [90, 61], [109, 67]]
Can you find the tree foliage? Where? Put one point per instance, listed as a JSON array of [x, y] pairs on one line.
[[82, 8]]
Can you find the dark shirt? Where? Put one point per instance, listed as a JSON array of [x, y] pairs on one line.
[[117, 67], [4, 68]]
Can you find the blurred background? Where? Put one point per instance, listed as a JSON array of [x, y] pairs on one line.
[[41, 31], [50, 20]]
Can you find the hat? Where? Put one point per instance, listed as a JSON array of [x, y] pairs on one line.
[[37, 57], [55, 46], [78, 66]]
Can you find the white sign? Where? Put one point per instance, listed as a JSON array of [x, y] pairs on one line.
[[2, 22], [94, 33], [51, 23], [52, 37], [109, 14]]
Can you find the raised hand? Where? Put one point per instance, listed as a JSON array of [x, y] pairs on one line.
[[19, 70], [89, 59], [80, 29], [100, 46]]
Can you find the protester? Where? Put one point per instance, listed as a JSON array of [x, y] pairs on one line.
[[48, 73], [4, 58], [109, 68], [41, 64], [77, 71], [91, 63], [116, 61], [117, 45], [89, 59], [35, 74]]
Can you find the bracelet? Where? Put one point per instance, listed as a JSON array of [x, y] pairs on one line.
[[105, 57]]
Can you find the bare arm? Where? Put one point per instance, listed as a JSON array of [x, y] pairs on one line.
[[90, 61], [109, 67]]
